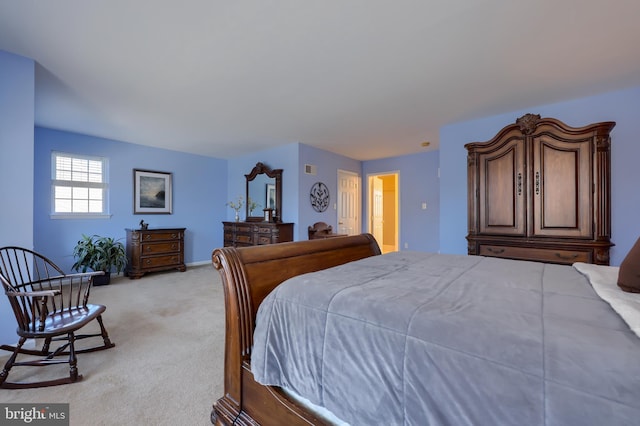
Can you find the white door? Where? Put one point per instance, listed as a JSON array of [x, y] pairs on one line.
[[348, 203]]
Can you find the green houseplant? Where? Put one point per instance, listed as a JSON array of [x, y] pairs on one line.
[[99, 254]]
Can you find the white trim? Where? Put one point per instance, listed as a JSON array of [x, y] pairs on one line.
[[80, 216]]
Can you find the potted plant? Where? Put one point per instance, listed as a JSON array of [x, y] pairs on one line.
[[99, 254]]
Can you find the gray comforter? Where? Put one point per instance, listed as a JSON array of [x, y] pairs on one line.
[[427, 339]]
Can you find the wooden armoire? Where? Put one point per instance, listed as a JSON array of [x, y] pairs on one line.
[[540, 190]]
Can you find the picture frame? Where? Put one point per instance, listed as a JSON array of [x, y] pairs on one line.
[[270, 196], [152, 192]]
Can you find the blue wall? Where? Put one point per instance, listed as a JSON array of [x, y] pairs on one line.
[[623, 107], [418, 183], [17, 90], [16, 142], [327, 166], [199, 194]]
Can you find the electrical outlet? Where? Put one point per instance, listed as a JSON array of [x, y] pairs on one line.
[[406, 245]]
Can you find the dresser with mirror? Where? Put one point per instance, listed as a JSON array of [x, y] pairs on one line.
[[263, 224]]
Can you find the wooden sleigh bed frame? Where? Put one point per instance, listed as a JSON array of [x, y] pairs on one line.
[[248, 276]]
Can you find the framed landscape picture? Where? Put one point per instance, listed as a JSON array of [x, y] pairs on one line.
[[152, 192]]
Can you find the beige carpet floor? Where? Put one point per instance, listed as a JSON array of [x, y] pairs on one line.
[[167, 365]]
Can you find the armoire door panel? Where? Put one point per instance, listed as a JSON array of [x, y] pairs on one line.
[[502, 185], [562, 192]]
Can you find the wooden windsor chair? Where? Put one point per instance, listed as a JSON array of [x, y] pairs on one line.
[[50, 306]]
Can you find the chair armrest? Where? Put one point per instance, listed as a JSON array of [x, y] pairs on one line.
[[82, 274], [41, 293], [74, 275], [66, 278]]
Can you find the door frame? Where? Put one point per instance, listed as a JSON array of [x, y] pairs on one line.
[[369, 199]]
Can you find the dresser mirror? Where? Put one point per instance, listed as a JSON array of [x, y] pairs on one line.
[[264, 187]]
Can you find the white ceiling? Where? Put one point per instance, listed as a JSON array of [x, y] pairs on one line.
[[363, 78]]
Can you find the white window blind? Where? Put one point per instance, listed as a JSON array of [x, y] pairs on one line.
[[79, 185]]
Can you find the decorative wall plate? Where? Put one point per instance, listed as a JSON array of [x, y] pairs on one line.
[[319, 196]]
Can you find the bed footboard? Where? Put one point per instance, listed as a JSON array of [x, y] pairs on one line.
[[249, 274]]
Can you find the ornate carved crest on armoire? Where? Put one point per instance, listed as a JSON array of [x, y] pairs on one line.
[[540, 190]]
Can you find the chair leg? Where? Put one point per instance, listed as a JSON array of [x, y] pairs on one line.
[[73, 360], [7, 366], [105, 335], [46, 345]]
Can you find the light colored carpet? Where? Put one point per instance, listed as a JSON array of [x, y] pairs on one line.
[[167, 365]]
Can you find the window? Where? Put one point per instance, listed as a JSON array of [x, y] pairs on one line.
[[78, 185]]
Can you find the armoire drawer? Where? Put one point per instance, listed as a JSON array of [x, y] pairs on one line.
[[537, 254]]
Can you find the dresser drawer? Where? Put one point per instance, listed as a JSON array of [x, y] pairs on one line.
[[160, 236], [264, 239], [537, 254], [161, 261], [247, 239], [161, 247], [265, 230]]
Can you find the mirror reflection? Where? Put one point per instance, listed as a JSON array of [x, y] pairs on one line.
[[262, 193], [264, 190]]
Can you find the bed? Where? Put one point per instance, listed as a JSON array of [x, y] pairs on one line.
[[469, 344]]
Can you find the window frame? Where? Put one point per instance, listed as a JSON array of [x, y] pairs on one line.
[[104, 186]]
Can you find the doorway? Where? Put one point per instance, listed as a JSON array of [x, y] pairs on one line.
[[383, 210]]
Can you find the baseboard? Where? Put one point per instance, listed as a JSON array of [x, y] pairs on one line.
[[200, 263]]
